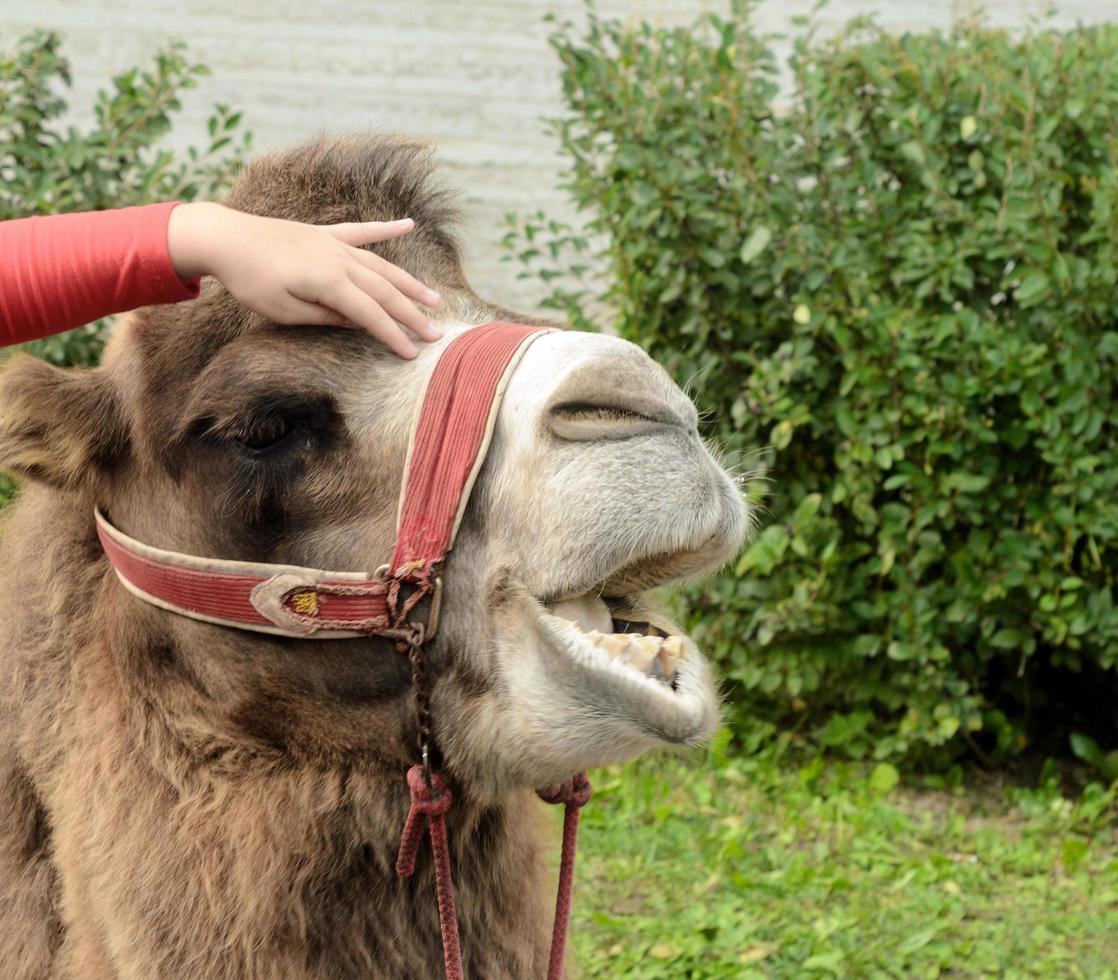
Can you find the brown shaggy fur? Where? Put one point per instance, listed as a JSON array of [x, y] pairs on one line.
[[180, 801]]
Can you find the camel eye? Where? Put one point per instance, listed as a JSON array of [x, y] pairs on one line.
[[265, 433], [274, 424]]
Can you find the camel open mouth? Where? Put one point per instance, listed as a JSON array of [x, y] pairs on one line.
[[612, 639], [647, 664]]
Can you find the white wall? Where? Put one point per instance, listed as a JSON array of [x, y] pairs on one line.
[[476, 77]]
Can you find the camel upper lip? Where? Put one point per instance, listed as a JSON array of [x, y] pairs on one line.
[[654, 569], [622, 585]]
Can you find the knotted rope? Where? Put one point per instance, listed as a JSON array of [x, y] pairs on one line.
[[430, 800], [429, 804], [574, 793]]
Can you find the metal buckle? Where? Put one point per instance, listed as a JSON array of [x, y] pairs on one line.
[[429, 628], [417, 633]]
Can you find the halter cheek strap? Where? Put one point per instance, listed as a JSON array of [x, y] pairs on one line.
[[285, 600]]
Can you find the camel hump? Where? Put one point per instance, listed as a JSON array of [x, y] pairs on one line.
[[370, 177]]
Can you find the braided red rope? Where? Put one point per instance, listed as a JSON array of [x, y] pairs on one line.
[[429, 805], [574, 794]]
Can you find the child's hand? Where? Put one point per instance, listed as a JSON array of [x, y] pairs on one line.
[[295, 273]]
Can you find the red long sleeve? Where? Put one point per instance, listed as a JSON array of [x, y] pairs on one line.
[[61, 271]]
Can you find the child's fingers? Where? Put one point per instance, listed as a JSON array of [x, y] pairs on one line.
[[394, 303], [298, 311], [363, 311], [314, 314], [364, 232], [407, 284]]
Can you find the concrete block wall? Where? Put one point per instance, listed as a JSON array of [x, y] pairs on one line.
[[474, 76]]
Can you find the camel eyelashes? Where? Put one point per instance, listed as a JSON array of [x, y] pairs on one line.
[[266, 433], [581, 420], [269, 424], [586, 410]]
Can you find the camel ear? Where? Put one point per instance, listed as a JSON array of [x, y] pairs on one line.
[[63, 428]]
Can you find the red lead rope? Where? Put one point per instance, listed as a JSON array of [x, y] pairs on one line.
[[574, 794], [459, 410], [432, 802]]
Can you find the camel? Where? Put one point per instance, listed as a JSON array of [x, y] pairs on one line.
[[183, 800]]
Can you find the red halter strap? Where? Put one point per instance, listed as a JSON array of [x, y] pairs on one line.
[[451, 437], [452, 434]]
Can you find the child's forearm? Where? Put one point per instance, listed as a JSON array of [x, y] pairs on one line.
[[61, 271]]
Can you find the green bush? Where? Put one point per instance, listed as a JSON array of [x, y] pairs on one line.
[[46, 168], [895, 276]]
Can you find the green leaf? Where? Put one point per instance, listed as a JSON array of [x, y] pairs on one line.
[[1033, 289], [1007, 639], [755, 244], [966, 482], [884, 778], [913, 152], [806, 510], [897, 650], [764, 554], [829, 962], [1087, 749]]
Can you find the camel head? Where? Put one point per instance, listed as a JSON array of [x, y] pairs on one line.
[[209, 432]]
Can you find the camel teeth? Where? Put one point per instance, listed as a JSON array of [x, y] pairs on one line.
[[614, 644], [643, 651], [656, 656]]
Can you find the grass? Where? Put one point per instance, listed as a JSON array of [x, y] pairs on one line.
[[757, 866]]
